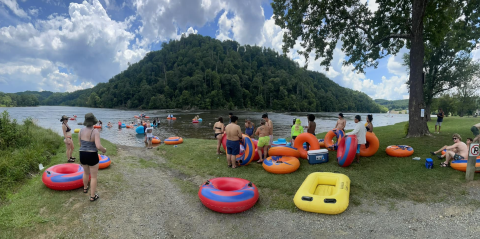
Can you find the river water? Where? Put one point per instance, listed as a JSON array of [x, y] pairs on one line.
[[49, 117]]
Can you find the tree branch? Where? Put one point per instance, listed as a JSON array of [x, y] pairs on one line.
[[403, 36]]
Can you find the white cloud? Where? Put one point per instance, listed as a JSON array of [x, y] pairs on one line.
[[33, 11], [13, 5], [38, 74], [392, 87], [86, 41], [163, 19]]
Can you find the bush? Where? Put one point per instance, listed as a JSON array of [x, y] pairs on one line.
[[23, 147]]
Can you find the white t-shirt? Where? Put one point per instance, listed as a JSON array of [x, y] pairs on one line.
[[149, 132], [360, 132]]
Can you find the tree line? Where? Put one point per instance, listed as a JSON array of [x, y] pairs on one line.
[[205, 73]]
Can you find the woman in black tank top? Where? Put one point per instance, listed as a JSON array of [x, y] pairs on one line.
[[67, 138]]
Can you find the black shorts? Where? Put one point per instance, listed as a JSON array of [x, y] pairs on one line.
[[89, 158]]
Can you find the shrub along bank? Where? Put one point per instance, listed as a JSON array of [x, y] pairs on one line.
[[22, 148]]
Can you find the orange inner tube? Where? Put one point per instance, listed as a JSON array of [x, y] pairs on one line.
[[156, 140], [129, 126], [97, 126], [373, 145], [173, 140], [281, 164], [283, 151], [399, 150], [305, 137], [328, 140]]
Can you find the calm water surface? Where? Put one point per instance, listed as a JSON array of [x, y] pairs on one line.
[[49, 117]]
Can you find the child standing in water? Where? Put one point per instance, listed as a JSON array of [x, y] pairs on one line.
[[263, 140]]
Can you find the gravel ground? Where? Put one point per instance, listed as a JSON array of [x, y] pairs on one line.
[[148, 204]]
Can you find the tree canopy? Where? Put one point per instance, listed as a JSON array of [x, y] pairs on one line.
[[369, 36], [204, 73]]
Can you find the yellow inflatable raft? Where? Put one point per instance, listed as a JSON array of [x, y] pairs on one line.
[[326, 193]]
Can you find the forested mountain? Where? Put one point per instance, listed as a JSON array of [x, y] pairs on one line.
[[201, 72], [394, 104]]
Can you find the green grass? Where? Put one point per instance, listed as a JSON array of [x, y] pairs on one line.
[[33, 208], [379, 177]]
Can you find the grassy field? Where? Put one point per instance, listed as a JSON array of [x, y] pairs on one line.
[[378, 178], [34, 208]]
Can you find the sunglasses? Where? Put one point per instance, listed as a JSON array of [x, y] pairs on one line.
[[454, 138]]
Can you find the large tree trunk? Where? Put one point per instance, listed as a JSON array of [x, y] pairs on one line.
[[417, 124]]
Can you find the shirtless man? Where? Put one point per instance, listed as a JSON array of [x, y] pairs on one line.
[[269, 125], [234, 135], [263, 140], [457, 151], [341, 122]]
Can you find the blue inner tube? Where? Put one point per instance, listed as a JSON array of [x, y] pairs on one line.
[[139, 130]]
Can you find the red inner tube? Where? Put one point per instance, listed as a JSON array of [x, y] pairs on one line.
[[228, 195], [63, 177]]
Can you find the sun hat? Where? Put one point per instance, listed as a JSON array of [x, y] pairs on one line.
[[90, 120], [64, 117]]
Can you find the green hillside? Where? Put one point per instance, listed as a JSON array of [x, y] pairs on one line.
[[201, 72], [394, 104]]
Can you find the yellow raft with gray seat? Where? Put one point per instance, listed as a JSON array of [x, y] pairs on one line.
[[326, 193]]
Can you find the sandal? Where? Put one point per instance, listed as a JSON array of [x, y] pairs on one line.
[[93, 199], [85, 190], [260, 161], [433, 153], [229, 165], [443, 164], [71, 160], [439, 157]]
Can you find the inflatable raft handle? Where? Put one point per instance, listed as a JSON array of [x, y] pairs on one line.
[[330, 200], [207, 182], [48, 172], [250, 184], [305, 198]]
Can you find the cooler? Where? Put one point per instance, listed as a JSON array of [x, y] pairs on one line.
[[317, 156]]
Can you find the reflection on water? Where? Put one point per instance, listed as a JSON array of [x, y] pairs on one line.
[[49, 117]]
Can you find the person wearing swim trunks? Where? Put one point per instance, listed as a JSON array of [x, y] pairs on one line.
[[149, 131], [457, 151], [219, 129], [360, 132], [263, 140], [341, 122], [234, 135], [440, 116], [269, 125]]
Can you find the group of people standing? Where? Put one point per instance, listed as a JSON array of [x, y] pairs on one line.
[[265, 133]]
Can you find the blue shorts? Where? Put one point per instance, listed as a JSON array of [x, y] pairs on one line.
[[233, 147], [358, 148]]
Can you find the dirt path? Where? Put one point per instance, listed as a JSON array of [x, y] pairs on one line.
[[146, 202]]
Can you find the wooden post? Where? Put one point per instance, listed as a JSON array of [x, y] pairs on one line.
[[472, 159]]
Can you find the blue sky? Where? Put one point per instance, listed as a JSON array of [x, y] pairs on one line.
[[69, 45]]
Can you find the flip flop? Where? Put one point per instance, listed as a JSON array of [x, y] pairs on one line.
[[433, 153], [94, 198]]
